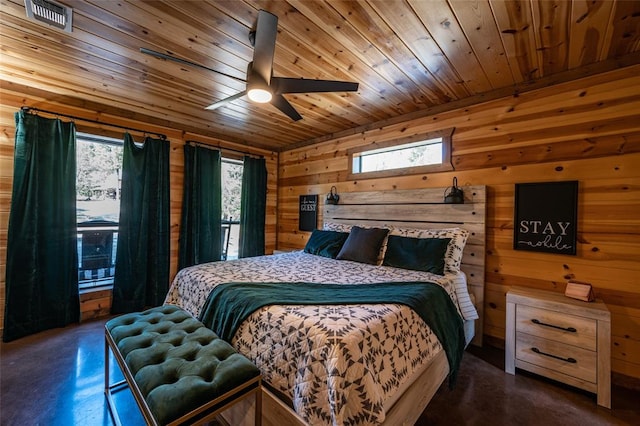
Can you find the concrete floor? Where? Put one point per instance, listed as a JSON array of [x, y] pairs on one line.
[[486, 395], [57, 378]]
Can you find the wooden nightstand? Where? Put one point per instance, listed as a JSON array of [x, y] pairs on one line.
[[560, 338]]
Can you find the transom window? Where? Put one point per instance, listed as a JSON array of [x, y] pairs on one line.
[[423, 153]]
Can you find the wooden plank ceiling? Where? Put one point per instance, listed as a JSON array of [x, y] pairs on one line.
[[409, 56]]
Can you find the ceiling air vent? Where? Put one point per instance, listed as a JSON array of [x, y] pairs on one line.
[[50, 13]]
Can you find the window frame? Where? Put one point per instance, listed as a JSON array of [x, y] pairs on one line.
[[444, 166]]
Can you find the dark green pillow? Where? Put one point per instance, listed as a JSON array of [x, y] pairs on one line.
[[325, 243], [363, 245], [420, 254]]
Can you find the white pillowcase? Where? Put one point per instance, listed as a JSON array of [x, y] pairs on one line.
[[338, 227]]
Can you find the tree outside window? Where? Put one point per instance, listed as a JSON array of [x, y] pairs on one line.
[[98, 176]]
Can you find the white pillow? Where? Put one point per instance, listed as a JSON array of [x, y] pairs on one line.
[[337, 227]]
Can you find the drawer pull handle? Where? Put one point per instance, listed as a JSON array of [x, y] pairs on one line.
[[570, 329], [569, 360]]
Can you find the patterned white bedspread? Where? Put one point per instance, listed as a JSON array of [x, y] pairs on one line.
[[337, 364]]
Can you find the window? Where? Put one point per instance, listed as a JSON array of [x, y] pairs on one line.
[[98, 167], [231, 197], [430, 152]]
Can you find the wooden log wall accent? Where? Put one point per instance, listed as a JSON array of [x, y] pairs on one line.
[[99, 304], [586, 130]]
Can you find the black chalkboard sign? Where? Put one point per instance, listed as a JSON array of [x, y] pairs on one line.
[[308, 212], [546, 217]]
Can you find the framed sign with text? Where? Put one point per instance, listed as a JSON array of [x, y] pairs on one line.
[[546, 217], [308, 218]]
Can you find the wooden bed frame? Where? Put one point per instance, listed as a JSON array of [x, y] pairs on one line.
[[416, 208]]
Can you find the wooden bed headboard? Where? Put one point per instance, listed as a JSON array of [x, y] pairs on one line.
[[425, 209]]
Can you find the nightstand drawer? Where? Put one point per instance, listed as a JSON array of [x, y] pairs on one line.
[[559, 357], [557, 326]]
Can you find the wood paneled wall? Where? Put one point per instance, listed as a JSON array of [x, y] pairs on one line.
[[98, 303], [587, 130]]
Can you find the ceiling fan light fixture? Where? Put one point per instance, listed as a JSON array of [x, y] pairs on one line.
[[259, 95], [261, 86]]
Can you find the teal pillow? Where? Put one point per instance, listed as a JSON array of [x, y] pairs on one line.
[[419, 254], [325, 243]]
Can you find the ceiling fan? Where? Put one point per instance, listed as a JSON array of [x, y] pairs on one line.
[[261, 85]]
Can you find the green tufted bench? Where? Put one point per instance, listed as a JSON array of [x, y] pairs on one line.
[[179, 371]]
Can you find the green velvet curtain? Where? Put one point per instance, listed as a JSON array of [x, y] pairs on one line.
[[253, 207], [42, 254], [142, 255], [200, 233]]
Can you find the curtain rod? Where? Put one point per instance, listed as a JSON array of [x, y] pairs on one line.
[[224, 149], [73, 117]]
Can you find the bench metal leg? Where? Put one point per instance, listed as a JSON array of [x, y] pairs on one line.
[[110, 389]]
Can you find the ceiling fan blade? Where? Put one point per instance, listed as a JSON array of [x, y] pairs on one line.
[[303, 85], [161, 55], [265, 44], [226, 100], [283, 105]]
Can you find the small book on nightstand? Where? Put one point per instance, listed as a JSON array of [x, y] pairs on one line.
[[579, 290]]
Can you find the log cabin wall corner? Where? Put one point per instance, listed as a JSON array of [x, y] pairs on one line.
[[586, 130]]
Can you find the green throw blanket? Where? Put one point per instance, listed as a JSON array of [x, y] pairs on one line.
[[228, 305]]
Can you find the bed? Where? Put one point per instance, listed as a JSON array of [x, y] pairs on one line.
[[376, 363]]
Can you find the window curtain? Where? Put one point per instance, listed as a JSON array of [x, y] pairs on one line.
[[142, 254], [200, 232], [253, 207], [42, 255]]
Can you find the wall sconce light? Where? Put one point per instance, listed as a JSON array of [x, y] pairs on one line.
[[332, 196], [454, 195]]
